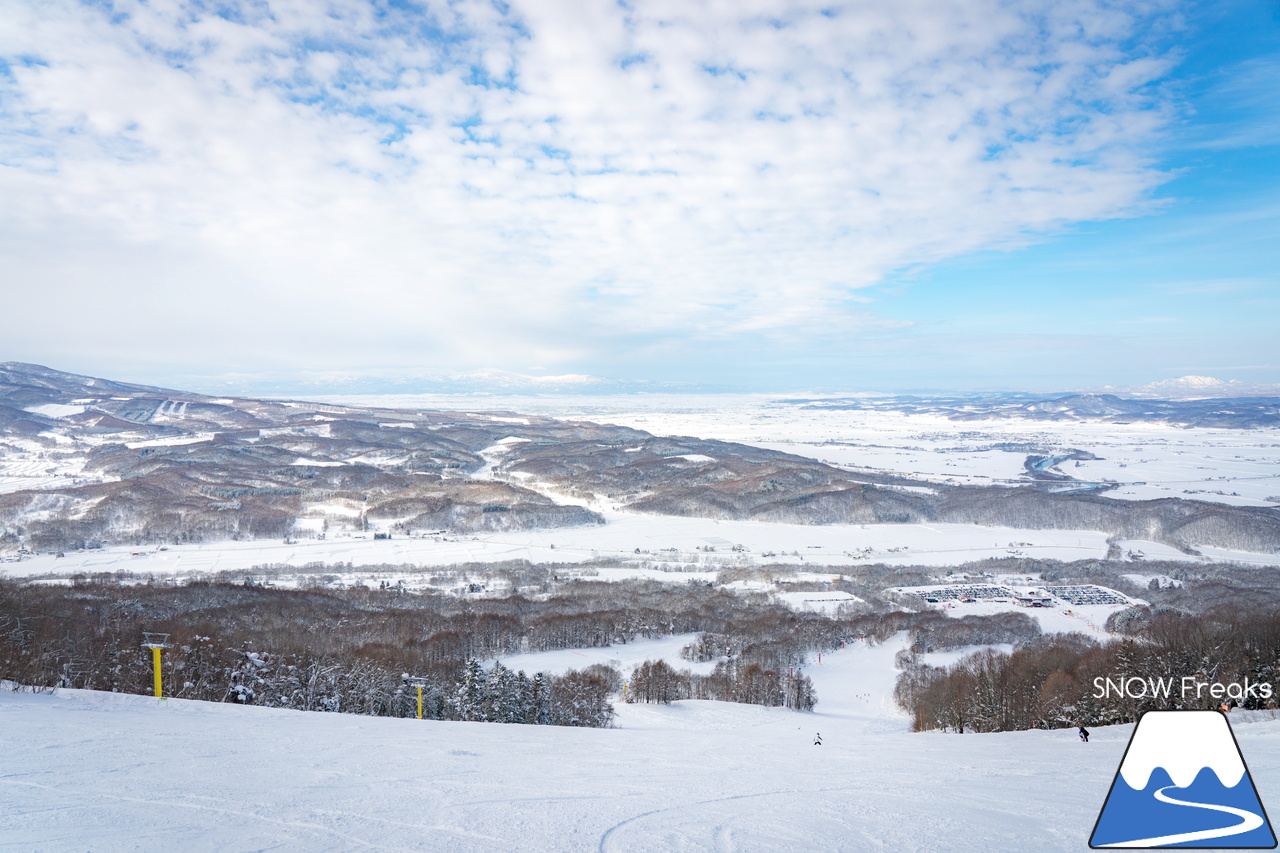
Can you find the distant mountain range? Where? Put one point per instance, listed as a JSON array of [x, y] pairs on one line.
[[508, 383], [1196, 388], [1215, 412]]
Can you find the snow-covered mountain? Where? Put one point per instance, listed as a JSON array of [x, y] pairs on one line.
[[1216, 412], [1197, 388]]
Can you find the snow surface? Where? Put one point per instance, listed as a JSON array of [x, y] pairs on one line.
[[172, 441], [56, 410], [669, 545], [823, 602], [28, 465], [664, 541], [83, 770], [625, 657]]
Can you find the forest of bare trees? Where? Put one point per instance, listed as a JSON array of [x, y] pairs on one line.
[[1051, 681], [730, 681], [347, 649]]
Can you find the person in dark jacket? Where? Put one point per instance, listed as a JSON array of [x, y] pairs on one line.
[[1084, 734]]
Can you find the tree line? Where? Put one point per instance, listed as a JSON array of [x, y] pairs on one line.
[[347, 650], [730, 681]]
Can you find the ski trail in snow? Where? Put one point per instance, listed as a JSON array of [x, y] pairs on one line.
[[1249, 821], [607, 842]]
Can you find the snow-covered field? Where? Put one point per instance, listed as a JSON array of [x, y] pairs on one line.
[[622, 657], [88, 771], [26, 464], [663, 541], [670, 548]]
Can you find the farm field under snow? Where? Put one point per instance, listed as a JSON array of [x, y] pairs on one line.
[[671, 548], [95, 771], [1235, 466], [676, 542]]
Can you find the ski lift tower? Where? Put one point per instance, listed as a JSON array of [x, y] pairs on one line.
[[419, 682], [156, 642]]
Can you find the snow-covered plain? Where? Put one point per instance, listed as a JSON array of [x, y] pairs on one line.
[[622, 657], [669, 548], [1236, 466], [664, 541], [90, 771]]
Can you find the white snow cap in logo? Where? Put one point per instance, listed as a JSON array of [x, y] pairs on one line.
[[1183, 743]]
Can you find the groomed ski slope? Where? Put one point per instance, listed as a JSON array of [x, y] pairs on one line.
[[87, 771]]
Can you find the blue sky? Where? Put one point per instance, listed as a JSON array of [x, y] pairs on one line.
[[1190, 288], [947, 194]]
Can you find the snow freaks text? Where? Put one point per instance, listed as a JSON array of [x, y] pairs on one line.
[[1188, 687]]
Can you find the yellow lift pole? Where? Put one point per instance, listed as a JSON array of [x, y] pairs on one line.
[[419, 682], [155, 661], [156, 642]]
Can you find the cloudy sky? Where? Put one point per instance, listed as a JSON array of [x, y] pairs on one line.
[[777, 195]]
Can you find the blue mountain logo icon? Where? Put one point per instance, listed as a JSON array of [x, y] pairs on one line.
[[1183, 783]]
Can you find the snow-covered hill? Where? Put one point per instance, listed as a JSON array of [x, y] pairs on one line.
[[86, 462], [103, 772]]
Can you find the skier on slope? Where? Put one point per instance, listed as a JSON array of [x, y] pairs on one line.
[[1084, 734], [817, 739]]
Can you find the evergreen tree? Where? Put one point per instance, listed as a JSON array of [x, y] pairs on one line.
[[538, 709], [472, 692]]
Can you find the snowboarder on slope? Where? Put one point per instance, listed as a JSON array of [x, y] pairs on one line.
[[1084, 734], [817, 739]]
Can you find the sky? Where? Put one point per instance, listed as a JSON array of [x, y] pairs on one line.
[[949, 194]]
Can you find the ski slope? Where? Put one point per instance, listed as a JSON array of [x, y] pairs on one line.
[[89, 771]]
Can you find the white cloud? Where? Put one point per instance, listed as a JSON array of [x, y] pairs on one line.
[[348, 184]]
